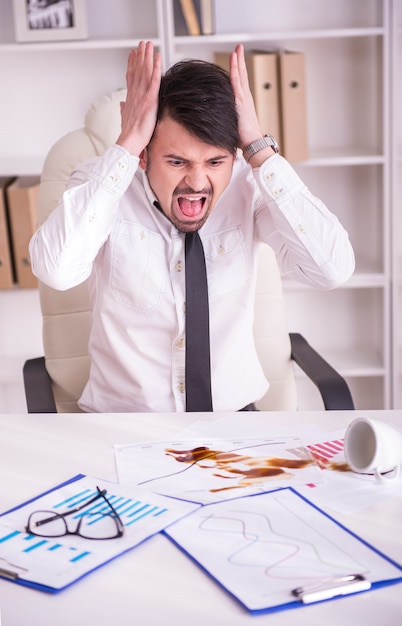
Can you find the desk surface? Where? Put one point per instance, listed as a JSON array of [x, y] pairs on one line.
[[156, 581]]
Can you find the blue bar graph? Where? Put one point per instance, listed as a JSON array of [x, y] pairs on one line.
[[30, 543], [80, 530], [130, 511], [76, 499]]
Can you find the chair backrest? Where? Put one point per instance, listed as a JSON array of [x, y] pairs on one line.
[[66, 317]]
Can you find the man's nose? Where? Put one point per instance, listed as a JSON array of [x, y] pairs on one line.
[[196, 179]]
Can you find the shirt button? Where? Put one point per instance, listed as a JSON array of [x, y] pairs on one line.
[[142, 235], [268, 176], [122, 166], [181, 387], [221, 250], [301, 229], [180, 343], [115, 179], [276, 192], [179, 266], [92, 217]]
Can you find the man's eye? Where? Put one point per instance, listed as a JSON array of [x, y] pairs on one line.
[[176, 162], [215, 163]]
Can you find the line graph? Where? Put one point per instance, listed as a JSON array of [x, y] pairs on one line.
[[261, 547], [279, 555], [213, 470]]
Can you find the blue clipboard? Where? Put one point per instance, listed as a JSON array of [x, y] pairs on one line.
[[52, 564], [277, 550]]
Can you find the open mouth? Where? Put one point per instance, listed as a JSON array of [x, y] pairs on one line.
[[191, 206]]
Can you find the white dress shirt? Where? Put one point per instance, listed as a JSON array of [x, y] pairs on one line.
[[107, 229]]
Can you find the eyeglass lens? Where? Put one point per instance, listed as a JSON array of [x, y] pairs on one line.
[[100, 521]]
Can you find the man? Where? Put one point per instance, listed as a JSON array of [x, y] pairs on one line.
[[123, 220]]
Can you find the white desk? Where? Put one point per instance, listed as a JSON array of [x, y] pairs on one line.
[[155, 583]]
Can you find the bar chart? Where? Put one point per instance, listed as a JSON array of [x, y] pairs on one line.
[[50, 559]]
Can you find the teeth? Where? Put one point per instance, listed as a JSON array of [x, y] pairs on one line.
[[192, 199]]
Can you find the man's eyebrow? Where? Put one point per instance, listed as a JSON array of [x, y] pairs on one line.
[[176, 157]]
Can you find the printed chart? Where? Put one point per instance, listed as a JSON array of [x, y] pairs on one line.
[[208, 471], [52, 562], [262, 547]]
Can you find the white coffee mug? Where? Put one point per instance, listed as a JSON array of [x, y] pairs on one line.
[[373, 447]]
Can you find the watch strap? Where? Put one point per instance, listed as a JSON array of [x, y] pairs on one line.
[[267, 141]]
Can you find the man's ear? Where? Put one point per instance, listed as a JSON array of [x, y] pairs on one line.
[[143, 159]]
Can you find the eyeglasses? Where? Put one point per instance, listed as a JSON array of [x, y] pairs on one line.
[[101, 521]]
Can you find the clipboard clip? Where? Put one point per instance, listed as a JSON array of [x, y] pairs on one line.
[[8, 570], [331, 588], [7, 573]]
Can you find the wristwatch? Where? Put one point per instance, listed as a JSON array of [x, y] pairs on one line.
[[260, 144]]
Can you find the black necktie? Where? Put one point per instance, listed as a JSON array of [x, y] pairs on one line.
[[198, 366]]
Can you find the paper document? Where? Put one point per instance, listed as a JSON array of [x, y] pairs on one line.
[[212, 470], [262, 547], [52, 563]]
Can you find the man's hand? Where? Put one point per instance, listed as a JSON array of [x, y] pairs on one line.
[[139, 111], [249, 126]]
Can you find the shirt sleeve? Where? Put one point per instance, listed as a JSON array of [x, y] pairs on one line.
[[63, 249], [311, 244]]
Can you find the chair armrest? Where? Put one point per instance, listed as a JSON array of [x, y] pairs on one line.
[[38, 387], [332, 386]]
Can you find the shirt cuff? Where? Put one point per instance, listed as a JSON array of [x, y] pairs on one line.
[[277, 178], [115, 169]]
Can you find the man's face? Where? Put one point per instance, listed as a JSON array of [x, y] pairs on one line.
[[186, 175]]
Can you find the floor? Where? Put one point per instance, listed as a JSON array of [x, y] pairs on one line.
[[20, 339]]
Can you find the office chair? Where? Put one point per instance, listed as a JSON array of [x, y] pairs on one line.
[[54, 382]]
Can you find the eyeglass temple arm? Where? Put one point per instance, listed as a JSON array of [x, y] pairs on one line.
[[100, 494], [111, 506]]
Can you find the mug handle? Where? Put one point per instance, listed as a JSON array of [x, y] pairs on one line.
[[388, 476]]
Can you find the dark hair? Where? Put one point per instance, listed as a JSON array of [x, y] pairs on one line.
[[199, 96]]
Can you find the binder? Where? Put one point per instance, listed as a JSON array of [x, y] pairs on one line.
[[263, 78], [293, 105], [6, 266], [190, 17], [206, 11], [22, 197]]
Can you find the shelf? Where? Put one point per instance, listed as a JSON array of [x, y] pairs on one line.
[[21, 166], [358, 363], [68, 46], [33, 165], [359, 280], [343, 157], [273, 37]]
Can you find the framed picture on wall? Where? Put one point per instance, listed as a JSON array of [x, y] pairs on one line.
[[49, 20]]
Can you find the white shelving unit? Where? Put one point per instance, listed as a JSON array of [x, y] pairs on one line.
[[348, 49], [397, 204], [346, 46], [51, 85]]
